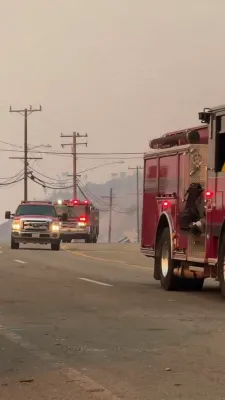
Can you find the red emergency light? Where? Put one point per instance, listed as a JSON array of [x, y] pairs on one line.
[[83, 219], [75, 201], [166, 204], [208, 194]]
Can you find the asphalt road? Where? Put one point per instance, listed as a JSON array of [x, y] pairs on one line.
[[89, 322]]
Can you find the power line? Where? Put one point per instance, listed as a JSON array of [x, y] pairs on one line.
[[8, 178], [46, 185], [25, 113], [48, 177], [99, 200], [80, 172], [11, 183], [10, 144], [55, 152]]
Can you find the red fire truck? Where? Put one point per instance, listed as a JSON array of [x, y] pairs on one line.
[[79, 220], [183, 222]]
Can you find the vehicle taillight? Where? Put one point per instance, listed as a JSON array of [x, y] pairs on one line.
[[208, 195], [166, 204]]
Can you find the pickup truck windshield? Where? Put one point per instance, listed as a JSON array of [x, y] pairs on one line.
[[36, 209]]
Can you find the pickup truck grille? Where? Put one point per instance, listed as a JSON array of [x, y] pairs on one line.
[[36, 226]]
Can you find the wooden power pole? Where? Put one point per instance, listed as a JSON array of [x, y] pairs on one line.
[[74, 145], [25, 112], [137, 168], [110, 197]]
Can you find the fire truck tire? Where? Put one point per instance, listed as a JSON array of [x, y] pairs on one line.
[[221, 265], [14, 245], [55, 246], [88, 239], [166, 264], [95, 238], [195, 285]]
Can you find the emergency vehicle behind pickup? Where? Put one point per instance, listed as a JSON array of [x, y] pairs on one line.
[[79, 220], [35, 222]]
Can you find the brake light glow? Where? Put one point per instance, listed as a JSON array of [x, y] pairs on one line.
[[208, 195], [166, 204]]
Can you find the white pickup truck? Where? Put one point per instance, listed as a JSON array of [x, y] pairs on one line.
[[35, 222]]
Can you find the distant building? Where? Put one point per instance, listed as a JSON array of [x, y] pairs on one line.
[[123, 175], [114, 175]]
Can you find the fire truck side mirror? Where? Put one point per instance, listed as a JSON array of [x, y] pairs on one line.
[[64, 217], [204, 117]]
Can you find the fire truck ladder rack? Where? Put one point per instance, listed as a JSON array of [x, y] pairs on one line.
[[175, 139]]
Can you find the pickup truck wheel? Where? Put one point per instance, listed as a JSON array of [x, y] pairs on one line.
[[55, 246], [14, 245], [221, 266], [166, 265]]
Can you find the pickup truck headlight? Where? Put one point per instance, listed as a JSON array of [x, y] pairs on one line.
[[16, 226], [55, 227]]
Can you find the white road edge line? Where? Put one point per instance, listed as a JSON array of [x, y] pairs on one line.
[[97, 282], [84, 382], [20, 261]]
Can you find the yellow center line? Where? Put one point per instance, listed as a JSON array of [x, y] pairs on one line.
[[77, 253]]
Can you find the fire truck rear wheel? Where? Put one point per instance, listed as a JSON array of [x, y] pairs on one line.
[[221, 265], [168, 280], [95, 238], [195, 285], [88, 239]]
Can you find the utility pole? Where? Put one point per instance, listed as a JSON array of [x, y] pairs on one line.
[[25, 112], [74, 144], [110, 215], [137, 168], [110, 197]]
